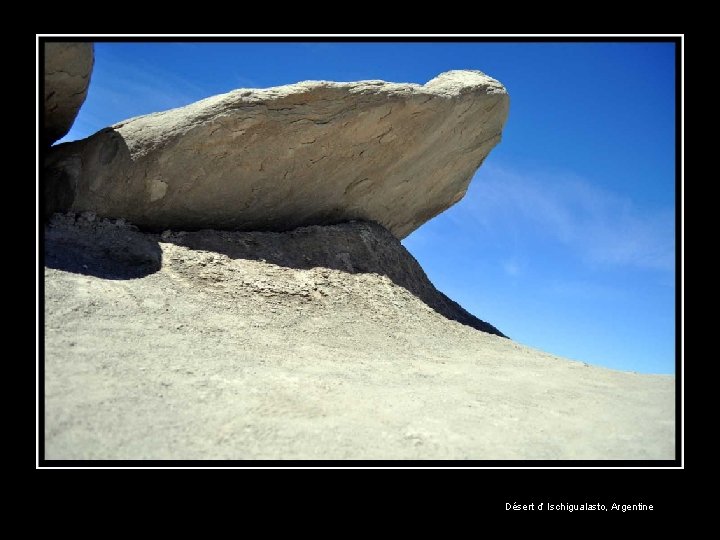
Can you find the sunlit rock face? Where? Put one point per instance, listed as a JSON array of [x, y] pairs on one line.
[[310, 153]]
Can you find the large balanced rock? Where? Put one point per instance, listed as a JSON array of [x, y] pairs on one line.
[[309, 153], [67, 75]]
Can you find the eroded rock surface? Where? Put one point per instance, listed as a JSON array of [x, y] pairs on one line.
[[114, 249], [279, 158], [68, 67]]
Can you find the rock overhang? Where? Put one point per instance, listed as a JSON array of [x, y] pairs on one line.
[[311, 153]]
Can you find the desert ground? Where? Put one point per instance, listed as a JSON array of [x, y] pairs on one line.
[[157, 350]]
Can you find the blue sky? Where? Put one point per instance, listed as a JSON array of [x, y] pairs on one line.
[[565, 239]]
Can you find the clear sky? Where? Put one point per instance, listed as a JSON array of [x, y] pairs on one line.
[[565, 239]]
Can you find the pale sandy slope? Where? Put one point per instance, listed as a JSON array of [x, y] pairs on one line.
[[218, 358]]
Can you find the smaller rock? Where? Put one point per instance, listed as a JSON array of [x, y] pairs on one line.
[[67, 75]]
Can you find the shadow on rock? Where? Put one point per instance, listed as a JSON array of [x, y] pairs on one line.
[[354, 247], [114, 249], [103, 248]]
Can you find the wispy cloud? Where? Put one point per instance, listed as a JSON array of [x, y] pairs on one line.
[[602, 227], [140, 79], [511, 268]]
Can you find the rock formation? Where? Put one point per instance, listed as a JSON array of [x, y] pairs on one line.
[[279, 158], [67, 75], [117, 250], [325, 341]]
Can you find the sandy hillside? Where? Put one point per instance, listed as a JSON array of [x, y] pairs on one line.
[[187, 346]]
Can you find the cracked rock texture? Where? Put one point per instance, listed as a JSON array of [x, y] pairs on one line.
[[67, 76], [279, 158]]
